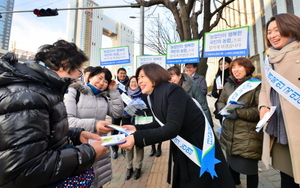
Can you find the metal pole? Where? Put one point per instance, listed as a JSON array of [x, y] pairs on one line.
[[142, 30]]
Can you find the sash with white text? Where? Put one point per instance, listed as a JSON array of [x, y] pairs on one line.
[[204, 159], [244, 88]]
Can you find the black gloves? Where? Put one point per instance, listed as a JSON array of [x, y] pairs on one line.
[[10, 57], [233, 114]]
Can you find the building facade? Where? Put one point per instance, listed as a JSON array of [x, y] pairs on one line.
[[253, 13], [5, 24], [86, 28]]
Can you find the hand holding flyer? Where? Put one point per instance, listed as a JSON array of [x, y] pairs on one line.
[[110, 140], [231, 106], [120, 129], [265, 119]]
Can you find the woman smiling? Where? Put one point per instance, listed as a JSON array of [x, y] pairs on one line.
[[176, 115]]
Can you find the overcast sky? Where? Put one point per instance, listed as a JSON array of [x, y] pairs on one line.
[[29, 31]]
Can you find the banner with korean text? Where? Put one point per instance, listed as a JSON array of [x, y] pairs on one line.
[[232, 42], [183, 52], [113, 56], [146, 59]]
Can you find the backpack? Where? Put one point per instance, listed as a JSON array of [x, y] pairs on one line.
[[77, 96]]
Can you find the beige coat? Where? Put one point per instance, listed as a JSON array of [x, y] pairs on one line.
[[287, 63]]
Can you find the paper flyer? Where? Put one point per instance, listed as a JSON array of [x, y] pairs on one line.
[[110, 140], [134, 105], [120, 129], [265, 119], [231, 106]]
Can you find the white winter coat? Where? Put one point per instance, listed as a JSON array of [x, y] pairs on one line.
[[87, 112]]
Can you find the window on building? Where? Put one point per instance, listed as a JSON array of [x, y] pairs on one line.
[[290, 6], [263, 20], [254, 27], [245, 12], [274, 7]]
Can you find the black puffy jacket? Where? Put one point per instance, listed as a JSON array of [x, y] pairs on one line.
[[34, 133]]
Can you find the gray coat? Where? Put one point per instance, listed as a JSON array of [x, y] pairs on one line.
[[194, 91], [201, 82], [87, 112]]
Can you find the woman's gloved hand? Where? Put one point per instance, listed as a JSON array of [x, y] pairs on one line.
[[233, 114]]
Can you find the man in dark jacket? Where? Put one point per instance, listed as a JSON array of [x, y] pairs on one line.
[[36, 147], [123, 80], [190, 69]]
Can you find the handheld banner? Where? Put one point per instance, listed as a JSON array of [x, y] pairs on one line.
[[232, 42], [113, 56], [183, 52], [157, 59]]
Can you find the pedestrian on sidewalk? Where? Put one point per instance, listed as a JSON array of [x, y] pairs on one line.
[[38, 149], [178, 114], [239, 139], [97, 98], [218, 86], [187, 83], [190, 69], [281, 135], [123, 79], [133, 91]]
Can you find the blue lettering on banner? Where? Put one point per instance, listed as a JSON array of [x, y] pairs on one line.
[[242, 52], [280, 85], [295, 96], [176, 140], [209, 138], [287, 90], [186, 149]]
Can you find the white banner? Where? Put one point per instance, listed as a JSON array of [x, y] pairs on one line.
[[233, 42], [113, 56], [183, 52], [157, 59]]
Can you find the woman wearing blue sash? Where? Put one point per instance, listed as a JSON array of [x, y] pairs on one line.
[[281, 135], [243, 145], [180, 116]]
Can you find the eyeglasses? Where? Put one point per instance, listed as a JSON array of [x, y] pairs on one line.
[[80, 73]]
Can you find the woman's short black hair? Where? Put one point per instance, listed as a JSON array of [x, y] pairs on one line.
[[156, 73], [61, 54], [97, 70]]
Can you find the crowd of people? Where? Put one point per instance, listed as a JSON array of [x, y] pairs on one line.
[[52, 107]]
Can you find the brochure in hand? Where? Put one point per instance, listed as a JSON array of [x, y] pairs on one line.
[[231, 106], [110, 140], [120, 129], [265, 119]]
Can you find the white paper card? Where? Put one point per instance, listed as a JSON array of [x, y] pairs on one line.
[[265, 119]]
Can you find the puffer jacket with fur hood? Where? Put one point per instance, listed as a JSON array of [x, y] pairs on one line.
[[85, 113]]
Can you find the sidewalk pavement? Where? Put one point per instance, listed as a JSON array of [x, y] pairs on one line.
[[154, 170]]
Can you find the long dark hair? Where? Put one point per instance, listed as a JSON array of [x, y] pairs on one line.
[[226, 59]]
